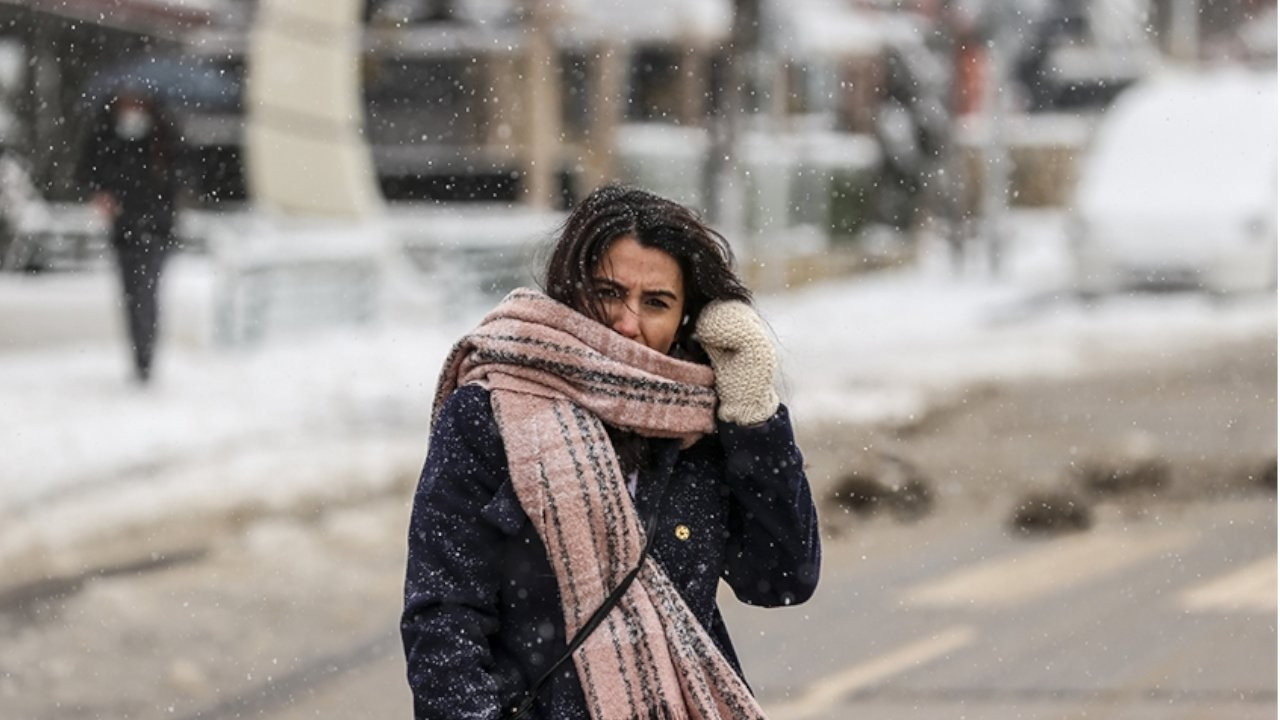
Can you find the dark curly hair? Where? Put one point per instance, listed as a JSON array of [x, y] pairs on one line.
[[613, 211]]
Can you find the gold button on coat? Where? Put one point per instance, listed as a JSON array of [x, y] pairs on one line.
[[682, 532]]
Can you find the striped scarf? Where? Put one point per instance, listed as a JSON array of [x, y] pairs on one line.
[[555, 376]]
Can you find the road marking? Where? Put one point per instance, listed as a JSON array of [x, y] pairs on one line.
[[1251, 588], [827, 692], [1008, 581]]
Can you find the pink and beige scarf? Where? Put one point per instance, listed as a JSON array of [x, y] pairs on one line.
[[555, 376]]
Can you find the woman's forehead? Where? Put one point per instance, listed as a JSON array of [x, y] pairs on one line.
[[628, 261]]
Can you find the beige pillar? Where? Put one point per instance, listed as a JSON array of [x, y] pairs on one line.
[[605, 86], [693, 86], [306, 154], [542, 100]]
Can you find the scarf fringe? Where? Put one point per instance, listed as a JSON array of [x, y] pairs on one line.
[[664, 712]]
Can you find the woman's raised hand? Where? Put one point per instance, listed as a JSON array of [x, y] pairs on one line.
[[743, 357]]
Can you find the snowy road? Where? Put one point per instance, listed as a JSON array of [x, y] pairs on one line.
[[1168, 614], [1164, 609]]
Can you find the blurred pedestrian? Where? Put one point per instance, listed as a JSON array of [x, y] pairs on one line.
[[130, 166], [602, 454]]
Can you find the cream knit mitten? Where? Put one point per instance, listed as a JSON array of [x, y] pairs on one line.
[[734, 337]]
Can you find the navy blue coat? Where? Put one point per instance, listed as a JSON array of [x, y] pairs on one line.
[[482, 615]]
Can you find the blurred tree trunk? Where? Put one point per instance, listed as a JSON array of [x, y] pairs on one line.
[[45, 82], [995, 102], [722, 180], [505, 103], [1184, 30]]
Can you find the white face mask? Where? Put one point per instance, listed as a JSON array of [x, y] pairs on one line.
[[133, 123]]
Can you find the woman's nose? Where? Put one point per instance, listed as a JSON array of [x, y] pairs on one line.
[[626, 321]]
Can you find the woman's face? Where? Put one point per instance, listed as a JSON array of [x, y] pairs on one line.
[[641, 291]]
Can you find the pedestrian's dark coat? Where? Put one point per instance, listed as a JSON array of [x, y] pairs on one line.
[[483, 617], [142, 175]]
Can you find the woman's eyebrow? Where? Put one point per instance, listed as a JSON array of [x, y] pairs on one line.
[[662, 293]]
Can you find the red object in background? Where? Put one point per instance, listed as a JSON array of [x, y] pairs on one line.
[[970, 73]]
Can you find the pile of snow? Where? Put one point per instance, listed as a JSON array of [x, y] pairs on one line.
[[1219, 128], [701, 21], [887, 347], [816, 28]]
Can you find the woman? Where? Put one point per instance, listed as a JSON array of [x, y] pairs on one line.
[[579, 435]]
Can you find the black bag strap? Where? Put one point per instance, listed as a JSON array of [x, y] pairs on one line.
[[597, 617]]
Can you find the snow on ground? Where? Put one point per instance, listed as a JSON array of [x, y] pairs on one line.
[[884, 347], [347, 411]]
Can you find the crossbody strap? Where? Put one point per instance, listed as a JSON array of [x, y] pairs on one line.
[[597, 617]]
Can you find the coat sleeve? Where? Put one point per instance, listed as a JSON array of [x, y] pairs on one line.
[[774, 552], [92, 171], [451, 579]]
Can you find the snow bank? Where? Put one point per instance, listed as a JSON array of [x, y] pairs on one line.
[[1185, 142], [814, 28], [703, 21]]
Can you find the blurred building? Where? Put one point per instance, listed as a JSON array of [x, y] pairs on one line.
[[451, 94], [540, 100], [61, 46]]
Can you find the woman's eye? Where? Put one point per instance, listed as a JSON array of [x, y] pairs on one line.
[[658, 303], [608, 292]]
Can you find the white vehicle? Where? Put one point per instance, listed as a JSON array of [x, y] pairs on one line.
[[1179, 187]]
